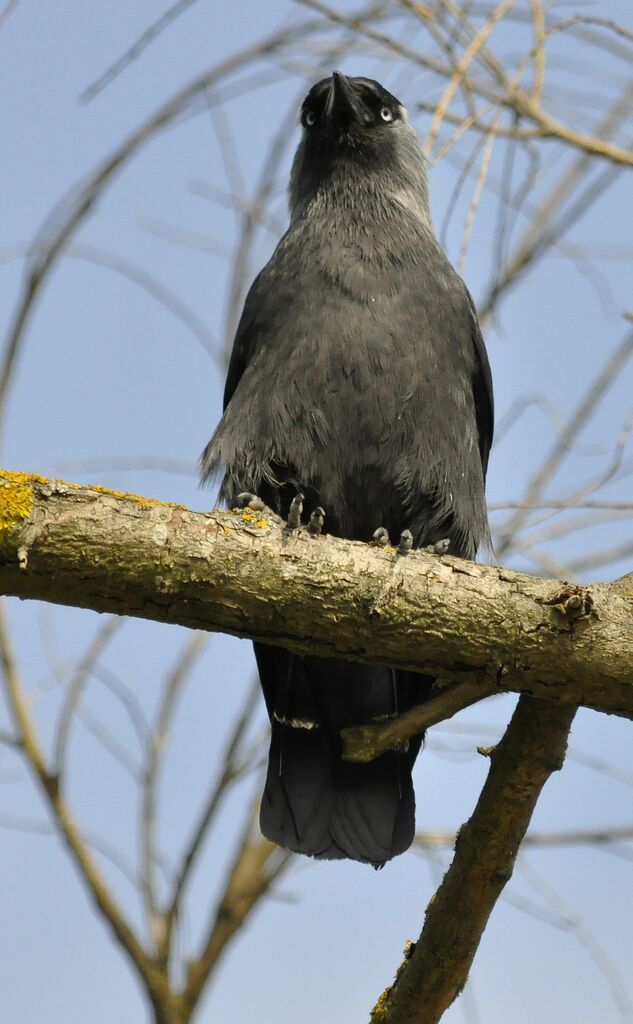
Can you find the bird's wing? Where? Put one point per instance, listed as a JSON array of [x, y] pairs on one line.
[[482, 390], [248, 330]]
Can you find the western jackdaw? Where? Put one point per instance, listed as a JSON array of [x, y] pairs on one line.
[[359, 386]]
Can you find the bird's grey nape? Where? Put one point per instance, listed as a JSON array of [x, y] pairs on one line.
[[339, 161]]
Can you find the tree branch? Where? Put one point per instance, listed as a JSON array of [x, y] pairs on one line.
[[257, 865], [240, 572], [436, 968], [105, 902]]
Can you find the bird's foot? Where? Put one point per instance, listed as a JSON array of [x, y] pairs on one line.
[[294, 512], [380, 537], [439, 548], [254, 509], [316, 521], [405, 543], [251, 501]]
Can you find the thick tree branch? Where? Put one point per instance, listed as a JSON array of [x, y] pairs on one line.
[[241, 573], [436, 968]]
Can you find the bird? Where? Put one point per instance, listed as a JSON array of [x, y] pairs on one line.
[[358, 395]]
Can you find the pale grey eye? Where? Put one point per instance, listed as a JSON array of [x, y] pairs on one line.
[[310, 118], [386, 114]]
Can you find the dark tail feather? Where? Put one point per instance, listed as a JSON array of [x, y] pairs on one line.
[[314, 802]]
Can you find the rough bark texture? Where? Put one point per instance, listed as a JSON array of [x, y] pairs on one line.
[[436, 968], [242, 573]]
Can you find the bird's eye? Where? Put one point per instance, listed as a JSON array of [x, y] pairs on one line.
[[387, 114], [309, 118]]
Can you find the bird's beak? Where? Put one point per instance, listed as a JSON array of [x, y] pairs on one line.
[[342, 102]]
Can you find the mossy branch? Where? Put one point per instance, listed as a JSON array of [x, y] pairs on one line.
[[242, 573]]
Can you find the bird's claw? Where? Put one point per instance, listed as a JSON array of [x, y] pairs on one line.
[[248, 500], [316, 521], [405, 543], [440, 547], [294, 512], [380, 537]]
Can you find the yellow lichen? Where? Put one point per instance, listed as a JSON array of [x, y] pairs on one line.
[[27, 480], [16, 500], [137, 498], [379, 1012], [248, 515]]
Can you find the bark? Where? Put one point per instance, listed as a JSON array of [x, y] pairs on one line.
[[240, 572], [436, 968]]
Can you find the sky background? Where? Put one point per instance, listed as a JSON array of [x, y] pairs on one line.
[[106, 373]]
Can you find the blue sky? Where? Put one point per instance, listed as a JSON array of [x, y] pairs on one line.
[[107, 372]]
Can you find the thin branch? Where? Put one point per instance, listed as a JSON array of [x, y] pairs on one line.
[[228, 773], [540, 58], [584, 19], [484, 167], [102, 846], [469, 55], [543, 232], [572, 837], [9, 740], [109, 909], [156, 748], [69, 213], [134, 51], [584, 936], [257, 865], [275, 226], [583, 411], [365, 742], [75, 688], [8, 9], [602, 557], [126, 464], [564, 505]]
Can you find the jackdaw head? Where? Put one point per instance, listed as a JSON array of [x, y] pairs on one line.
[[356, 135]]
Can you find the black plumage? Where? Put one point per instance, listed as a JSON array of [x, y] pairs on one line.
[[358, 378]]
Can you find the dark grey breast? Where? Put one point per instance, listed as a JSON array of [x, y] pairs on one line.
[[358, 369]]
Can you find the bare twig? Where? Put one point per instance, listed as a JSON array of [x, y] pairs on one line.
[[617, 506], [476, 197], [571, 837], [584, 409], [100, 641], [258, 863], [365, 742], [584, 936], [469, 55], [126, 464], [109, 909], [102, 846], [228, 773], [544, 231], [588, 19], [72, 210], [155, 752], [135, 50], [538, 16], [7, 10]]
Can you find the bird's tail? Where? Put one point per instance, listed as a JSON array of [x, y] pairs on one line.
[[314, 802]]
